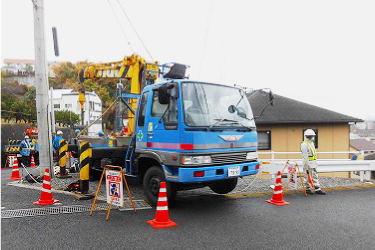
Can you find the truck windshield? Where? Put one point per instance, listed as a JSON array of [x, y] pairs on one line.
[[216, 105]]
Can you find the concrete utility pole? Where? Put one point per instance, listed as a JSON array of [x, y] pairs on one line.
[[52, 110], [41, 85]]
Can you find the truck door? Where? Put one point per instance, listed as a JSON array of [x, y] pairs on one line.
[[162, 125], [141, 131]]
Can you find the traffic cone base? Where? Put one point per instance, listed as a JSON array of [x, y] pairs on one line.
[[46, 202], [15, 178], [278, 203], [157, 224]]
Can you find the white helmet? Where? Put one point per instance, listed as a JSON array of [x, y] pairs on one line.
[[309, 132], [27, 137], [59, 132]]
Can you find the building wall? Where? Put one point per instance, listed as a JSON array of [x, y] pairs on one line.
[[288, 137], [27, 79], [69, 101]]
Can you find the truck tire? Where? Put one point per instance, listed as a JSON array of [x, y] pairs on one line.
[[224, 187], [151, 184]]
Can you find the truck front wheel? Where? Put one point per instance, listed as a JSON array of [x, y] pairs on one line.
[[224, 187], [151, 184]]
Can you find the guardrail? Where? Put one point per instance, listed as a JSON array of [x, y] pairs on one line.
[[365, 167]]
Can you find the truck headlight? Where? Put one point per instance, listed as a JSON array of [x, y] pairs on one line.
[[196, 160], [252, 156]]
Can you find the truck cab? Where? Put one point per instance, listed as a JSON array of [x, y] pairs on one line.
[[192, 134]]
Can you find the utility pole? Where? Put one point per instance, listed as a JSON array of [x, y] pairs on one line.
[[41, 85], [52, 110]]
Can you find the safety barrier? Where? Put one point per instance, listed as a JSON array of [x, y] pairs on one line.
[[62, 158], [85, 155], [273, 165]]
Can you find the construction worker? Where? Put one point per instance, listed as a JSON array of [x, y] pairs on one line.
[[101, 133], [25, 150], [309, 163], [56, 143]]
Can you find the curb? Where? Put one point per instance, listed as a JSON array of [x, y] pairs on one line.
[[259, 194]]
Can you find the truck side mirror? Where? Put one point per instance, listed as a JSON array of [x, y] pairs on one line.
[[163, 94]]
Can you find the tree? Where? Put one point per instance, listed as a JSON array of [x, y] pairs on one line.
[[29, 68], [66, 118], [20, 107]]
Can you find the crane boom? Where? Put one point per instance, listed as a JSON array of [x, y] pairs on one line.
[[134, 68]]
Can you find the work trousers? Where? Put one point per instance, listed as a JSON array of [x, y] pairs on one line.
[[25, 160], [314, 177]]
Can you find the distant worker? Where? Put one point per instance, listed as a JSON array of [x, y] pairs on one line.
[[101, 133], [76, 132], [25, 149], [74, 140], [309, 163], [56, 143]]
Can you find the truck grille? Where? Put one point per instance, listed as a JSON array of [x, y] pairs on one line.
[[228, 158]]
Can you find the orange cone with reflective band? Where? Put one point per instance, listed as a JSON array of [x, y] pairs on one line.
[[46, 196], [32, 164], [162, 214], [278, 194], [15, 171]]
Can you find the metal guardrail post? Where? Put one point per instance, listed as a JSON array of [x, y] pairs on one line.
[[84, 163]]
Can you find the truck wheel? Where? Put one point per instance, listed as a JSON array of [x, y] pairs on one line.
[[224, 187], [151, 184]]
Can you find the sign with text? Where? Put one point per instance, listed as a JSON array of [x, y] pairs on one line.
[[112, 177]]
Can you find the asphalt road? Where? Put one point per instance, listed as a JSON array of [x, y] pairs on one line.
[[339, 220]]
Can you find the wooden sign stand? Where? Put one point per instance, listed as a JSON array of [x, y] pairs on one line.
[[121, 173]]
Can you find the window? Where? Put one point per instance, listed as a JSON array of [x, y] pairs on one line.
[[157, 109], [91, 105], [171, 116], [142, 110], [56, 106], [316, 137], [67, 106], [264, 140]]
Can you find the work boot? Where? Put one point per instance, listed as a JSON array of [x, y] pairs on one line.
[[320, 192], [308, 191]]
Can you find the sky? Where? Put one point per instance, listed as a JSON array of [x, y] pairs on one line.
[[318, 52]]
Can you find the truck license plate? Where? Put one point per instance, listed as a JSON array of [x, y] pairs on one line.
[[234, 171]]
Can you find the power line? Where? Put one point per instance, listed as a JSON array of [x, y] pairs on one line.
[[135, 30], [122, 29]]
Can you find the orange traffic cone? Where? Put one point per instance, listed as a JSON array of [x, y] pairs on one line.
[[278, 194], [162, 214], [46, 196], [15, 171], [32, 164]]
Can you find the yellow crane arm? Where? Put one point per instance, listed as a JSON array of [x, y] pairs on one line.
[[134, 68]]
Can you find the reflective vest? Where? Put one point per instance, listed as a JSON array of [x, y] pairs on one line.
[[313, 151]]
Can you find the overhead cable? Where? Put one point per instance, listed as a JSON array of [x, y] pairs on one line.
[[122, 29], [135, 30]]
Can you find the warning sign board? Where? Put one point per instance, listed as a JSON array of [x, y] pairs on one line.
[[113, 177]]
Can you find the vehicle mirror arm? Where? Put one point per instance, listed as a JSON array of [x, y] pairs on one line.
[[261, 112]]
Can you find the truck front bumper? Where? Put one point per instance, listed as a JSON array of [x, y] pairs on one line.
[[210, 173]]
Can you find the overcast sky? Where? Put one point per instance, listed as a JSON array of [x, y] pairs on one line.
[[318, 52]]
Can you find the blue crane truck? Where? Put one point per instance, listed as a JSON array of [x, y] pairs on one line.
[[190, 134]]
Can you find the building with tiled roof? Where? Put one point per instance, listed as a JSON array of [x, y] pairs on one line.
[[281, 126]]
